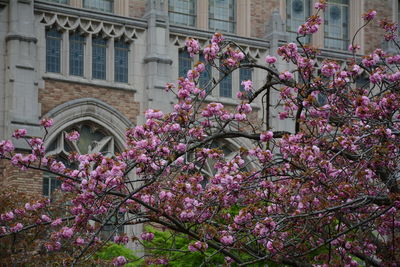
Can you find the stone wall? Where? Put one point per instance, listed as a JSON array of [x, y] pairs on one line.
[[137, 8], [261, 11]]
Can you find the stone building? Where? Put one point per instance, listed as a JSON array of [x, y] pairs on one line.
[[97, 65]]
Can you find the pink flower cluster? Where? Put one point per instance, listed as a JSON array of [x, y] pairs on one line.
[[192, 46]]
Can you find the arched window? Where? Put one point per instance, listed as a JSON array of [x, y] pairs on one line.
[[93, 139]]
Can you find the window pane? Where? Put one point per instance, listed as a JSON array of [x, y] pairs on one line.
[[185, 63], [244, 75], [76, 54], [121, 61], [222, 15], [182, 12], [337, 25], [99, 58], [102, 5], [297, 12], [225, 86], [65, 2], [53, 51], [205, 76]]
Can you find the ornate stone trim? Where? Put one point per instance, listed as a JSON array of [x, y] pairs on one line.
[[88, 26]]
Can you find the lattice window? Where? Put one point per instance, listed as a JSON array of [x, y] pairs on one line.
[[121, 51], [205, 80], [297, 12], [53, 51], [222, 15], [76, 54], [225, 86], [245, 74], [182, 12], [101, 5], [93, 139], [185, 63], [336, 25], [65, 2], [99, 54]]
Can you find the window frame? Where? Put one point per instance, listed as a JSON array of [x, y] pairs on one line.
[[125, 49], [188, 15], [99, 45], [72, 58], [230, 23], [292, 33], [57, 56], [345, 41], [95, 5]]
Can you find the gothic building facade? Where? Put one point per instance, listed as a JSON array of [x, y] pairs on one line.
[[97, 65]]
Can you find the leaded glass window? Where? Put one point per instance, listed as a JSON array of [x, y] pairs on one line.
[[222, 15], [225, 86], [53, 51], [99, 54], [182, 12], [101, 5], [245, 74], [336, 25], [76, 54], [185, 63], [205, 80], [297, 12], [93, 139], [121, 61]]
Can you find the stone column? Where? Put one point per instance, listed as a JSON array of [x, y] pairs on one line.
[[21, 75], [157, 61]]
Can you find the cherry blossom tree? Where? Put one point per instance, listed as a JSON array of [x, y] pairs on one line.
[[326, 194]]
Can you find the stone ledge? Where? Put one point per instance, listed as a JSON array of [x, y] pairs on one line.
[[99, 83]]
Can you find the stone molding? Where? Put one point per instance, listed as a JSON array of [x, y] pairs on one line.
[[88, 26], [88, 109]]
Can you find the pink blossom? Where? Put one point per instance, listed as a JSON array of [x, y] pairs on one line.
[[217, 38], [18, 133], [192, 46], [46, 122], [153, 114], [16, 228], [67, 232], [320, 5], [72, 136], [45, 218], [247, 85], [147, 236], [6, 146], [267, 136], [227, 240], [198, 246], [286, 76], [56, 222], [370, 15], [270, 59], [80, 241], [119, 261], [8, 216]]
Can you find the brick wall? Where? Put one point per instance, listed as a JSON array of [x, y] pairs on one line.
[[261, 11], [56, 93], [26, 181], [373, 33], [137, 8]]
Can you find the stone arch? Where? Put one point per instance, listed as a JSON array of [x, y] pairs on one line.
[[88, 109]]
